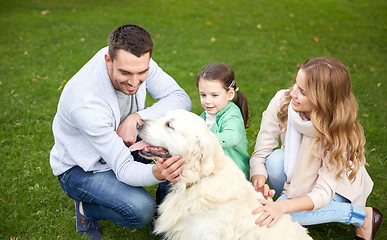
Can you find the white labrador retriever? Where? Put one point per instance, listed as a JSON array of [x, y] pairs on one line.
[[213, 200]]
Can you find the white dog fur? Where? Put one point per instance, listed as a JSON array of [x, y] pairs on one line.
[[213, 200]]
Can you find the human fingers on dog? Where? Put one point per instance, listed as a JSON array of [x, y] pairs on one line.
[[254, 181], [267, 192], [271, 213], [258, 181], [271, 193], [268, 222], [262, 217], [265, 219], [171, 168]]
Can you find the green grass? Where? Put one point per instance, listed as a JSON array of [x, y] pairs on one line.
[[263, 41]]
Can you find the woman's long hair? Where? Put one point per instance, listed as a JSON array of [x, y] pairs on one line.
[[328, 87]]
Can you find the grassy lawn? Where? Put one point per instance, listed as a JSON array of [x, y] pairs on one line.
[[44, 43]]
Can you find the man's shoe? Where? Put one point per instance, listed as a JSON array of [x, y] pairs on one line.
[[91, 229]]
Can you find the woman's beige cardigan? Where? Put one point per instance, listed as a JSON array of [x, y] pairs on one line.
[[311, 176]]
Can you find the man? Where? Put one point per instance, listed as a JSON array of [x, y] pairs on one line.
[[96, 122]]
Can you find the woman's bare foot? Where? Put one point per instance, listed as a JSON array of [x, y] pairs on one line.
[[365, 230]]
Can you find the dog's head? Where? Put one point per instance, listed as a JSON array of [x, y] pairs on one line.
[[181, 133]]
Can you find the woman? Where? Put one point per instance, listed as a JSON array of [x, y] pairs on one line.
[[319, 173]]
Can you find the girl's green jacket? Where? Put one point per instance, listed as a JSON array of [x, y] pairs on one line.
[[230, 130]]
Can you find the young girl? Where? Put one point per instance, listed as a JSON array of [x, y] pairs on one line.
[[226, 111], [319, 172]]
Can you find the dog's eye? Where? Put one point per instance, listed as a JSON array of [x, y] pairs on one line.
[[169, 125]]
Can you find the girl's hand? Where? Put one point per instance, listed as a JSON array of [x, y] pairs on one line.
[[259, 184], [271, 212]]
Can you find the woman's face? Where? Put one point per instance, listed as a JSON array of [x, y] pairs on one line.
[[300, 102]]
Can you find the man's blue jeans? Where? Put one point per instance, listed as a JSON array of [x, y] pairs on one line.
[[339, 209], [105, 198]]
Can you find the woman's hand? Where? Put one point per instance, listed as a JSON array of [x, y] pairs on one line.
[[259, 184], [270, 212]]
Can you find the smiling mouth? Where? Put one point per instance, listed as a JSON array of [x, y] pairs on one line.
[[131, 88]]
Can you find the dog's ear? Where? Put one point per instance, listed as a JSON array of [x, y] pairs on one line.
[[206, 155], [199, 158], [207, 145]]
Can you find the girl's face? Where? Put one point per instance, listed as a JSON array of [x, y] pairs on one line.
[[300, 102], [213, 96]]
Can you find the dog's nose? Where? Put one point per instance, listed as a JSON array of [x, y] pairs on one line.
[[140, 123]]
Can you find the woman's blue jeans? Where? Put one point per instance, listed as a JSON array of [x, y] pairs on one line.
[[339, 209], [105, 198]]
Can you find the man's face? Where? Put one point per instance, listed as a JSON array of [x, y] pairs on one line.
[[127, 72]]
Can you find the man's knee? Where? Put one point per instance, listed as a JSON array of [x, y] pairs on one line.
[[140, 214]]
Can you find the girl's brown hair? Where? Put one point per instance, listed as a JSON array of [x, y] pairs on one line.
[[223, 73]]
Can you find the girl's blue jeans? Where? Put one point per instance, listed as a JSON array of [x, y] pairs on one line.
[[105, 198], [339, 209]]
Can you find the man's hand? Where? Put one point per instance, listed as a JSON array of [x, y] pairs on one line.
[[169, 169], [258, 182], [127, 129]]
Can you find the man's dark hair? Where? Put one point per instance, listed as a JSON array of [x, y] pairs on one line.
[[131, 38]]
